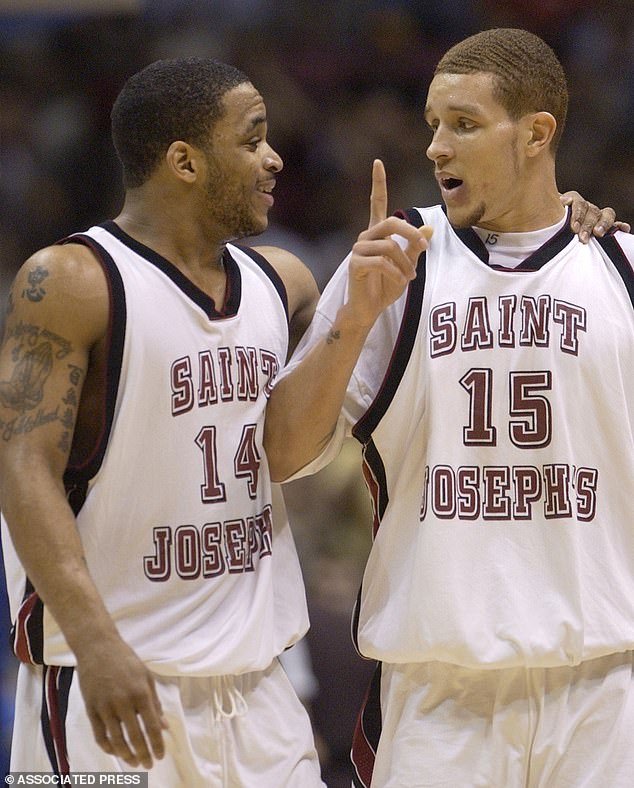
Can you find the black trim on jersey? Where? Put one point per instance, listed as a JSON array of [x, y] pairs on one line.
[[372, 466], [194, 293], [473, 242], [550, 249], [56, 683], [411, 215], [613, 249], [400, 356], [272, 274], [367, 733], [374, 462], [533, 262], [79, 472], [26, 635]]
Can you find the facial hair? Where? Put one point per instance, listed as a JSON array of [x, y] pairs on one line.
[[228, 206]]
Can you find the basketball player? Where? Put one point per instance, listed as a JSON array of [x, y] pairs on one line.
[[150, 586], [154, 590], [488, 372]]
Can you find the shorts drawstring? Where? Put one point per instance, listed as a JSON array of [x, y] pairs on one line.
[[227, 699]]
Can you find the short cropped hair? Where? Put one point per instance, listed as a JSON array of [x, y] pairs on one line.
[[179, 99], [528, 75]]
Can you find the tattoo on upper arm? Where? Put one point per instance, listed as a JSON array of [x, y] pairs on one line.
[[34, 355], [10, 303], [35, 291], [332, 336]]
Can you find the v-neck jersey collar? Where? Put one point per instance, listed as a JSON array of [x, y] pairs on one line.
[[205, 302]]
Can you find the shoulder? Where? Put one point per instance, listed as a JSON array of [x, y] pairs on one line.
[[294, 272], [72, 263], [62, 286], [299, 282]]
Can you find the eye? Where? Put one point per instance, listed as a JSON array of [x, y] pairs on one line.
[[464, 124], [252, 144]]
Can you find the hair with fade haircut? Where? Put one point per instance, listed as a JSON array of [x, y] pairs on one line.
[[528, 76], [178, 99]]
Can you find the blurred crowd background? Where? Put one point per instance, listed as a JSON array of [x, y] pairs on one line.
[[344, 81]]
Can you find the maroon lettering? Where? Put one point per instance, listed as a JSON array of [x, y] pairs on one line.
[[467, 488], [187, 552], [496, 500], [442, 327], [535, 317], [158, 567], [213, 556], [509, 493], [573, 320], [556, 487], [532, 321], [477, 333], [444, 492], [182, 386], [527, 483], [586, 482], [226, 380], [246, 361], [231, 546], [506, 307], [207, 391]]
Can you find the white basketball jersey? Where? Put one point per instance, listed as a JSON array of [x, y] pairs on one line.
[[499, 451], [174, 507]]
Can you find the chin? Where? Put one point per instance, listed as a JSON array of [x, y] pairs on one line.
[[465, 217]]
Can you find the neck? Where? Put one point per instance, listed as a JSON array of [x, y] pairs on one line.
[[170, 231]]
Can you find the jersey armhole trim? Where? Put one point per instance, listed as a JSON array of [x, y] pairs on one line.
[[403, 346], [78, 475], [269, 270]]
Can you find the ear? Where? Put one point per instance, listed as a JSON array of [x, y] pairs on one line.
[[183, 161], [541, 127]]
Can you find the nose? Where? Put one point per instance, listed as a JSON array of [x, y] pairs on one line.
[[439, 147], [272, 161]]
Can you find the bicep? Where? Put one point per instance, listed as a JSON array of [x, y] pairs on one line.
[[55, 315]]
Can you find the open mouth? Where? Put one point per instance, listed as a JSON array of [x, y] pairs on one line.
[[450, 183], [266, 188]]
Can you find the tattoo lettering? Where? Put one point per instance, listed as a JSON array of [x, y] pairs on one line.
[[34, 355], [332, 336], [26, 388], [30, 335], [35, 278]]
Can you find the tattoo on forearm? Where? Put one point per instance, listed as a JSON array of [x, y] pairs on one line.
[[332, 336], [35, 291], [35, 353]]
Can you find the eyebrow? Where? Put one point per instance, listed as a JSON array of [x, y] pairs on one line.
[[258, 120], [468, 109]]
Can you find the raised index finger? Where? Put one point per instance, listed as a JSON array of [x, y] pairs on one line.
[[378, 195]]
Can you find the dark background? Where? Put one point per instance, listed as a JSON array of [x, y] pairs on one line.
[[344, 81]]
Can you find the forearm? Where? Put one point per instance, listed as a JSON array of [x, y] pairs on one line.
[[305, 405]]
